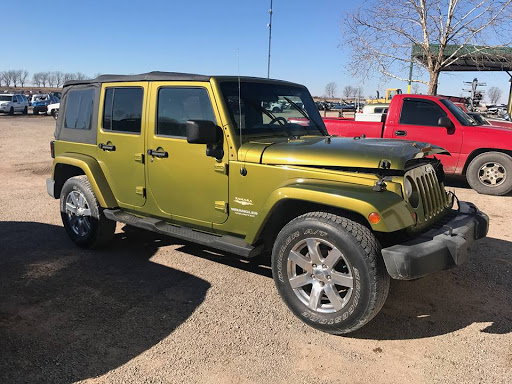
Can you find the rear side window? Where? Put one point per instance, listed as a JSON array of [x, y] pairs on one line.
[[177, 105], [79, 109], [420, 112], [122, 111]]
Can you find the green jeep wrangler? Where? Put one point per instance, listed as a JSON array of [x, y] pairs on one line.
[[209, 160]]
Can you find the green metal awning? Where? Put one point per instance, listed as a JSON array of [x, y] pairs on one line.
[[470, 57]]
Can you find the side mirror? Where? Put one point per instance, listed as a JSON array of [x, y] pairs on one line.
[[203, 132], [445, 122]]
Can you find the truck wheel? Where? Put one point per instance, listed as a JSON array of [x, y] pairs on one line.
[[490, 173], [82, 216], [25, 110], [329, 272], [11, 111]]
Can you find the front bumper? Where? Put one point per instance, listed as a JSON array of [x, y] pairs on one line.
[[439, 248]]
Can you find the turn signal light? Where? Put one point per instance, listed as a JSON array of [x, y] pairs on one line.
[[374, 218]]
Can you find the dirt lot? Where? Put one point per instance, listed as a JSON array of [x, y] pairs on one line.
[[153, 309]]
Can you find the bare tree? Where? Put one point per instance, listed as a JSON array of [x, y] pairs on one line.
[[358, 92], [44, 77], [348, 91], [59, 78], [51, 79], [69, 76], [36, 79], [494, 94], [415, 88], [330, 90], [7, 77], [22, 77], [83, 76], [381, 34]]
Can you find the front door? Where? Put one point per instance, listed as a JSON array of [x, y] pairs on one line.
[[184, 182], [121, 140], [418, 122]]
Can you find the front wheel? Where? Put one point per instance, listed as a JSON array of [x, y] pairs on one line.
[[25, 110], [82, 215], [11, 111], [329, 272], [490, 173]]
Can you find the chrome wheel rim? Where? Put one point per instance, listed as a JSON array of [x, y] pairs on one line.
[[492, 174], [320, 275], [78, 213]]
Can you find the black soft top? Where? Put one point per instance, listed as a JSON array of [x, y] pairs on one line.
[[164, 76], [150, 76]]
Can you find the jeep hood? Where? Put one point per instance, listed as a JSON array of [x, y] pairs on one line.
[[336, 152]]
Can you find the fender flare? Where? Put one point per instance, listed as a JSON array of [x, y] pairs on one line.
[[92, 170], [362, 200]]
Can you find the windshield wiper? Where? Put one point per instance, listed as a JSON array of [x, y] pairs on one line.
[[303, 113]]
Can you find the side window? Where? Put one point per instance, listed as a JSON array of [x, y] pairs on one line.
[[122, 111], [419, 112], [79, 104], [177, 105], [18, 99]]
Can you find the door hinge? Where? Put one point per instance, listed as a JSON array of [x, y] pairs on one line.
[[221, 168], [221, 206], [140, 190], [139, 157]]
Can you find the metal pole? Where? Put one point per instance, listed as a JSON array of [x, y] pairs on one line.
[[410, 77], [269, 39]]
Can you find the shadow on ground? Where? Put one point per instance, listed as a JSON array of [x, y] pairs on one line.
[[68, 314], [479, 291]]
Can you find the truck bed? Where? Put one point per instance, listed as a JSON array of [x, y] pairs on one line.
[[351, 128]]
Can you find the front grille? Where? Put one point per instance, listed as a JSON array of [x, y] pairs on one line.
[[433, 198]]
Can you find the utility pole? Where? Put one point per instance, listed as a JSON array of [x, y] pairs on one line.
[[269, 39]]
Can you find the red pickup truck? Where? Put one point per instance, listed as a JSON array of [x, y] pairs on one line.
[[482, 153]]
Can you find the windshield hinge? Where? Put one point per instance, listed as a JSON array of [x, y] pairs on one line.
[[221, 168], [221, 206]]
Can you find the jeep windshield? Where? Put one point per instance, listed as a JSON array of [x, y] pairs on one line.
[[266, 109]]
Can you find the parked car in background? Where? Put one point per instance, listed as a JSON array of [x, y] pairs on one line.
[[41, 102], [53, 109], [10, 103]]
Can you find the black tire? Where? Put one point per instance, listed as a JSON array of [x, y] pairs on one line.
[[99, 230], [360, 257], [275, 109], [11, 111], [25, 110], [487, 168], [35, 112]]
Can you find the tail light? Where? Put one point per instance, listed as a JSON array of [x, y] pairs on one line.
[[52, 149]]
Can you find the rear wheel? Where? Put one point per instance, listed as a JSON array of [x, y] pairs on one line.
[[490, 173], [329, 272], [82, 215]]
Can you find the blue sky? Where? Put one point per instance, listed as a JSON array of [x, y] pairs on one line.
[[114, 36]]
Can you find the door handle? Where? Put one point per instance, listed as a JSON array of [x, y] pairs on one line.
[[107, 147], [161, 154], [400, 133]]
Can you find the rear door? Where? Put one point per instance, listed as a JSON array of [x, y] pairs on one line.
[[121, 132], [418, 121]]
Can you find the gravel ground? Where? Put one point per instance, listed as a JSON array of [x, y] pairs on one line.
[[151, 309]]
